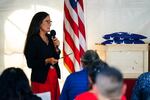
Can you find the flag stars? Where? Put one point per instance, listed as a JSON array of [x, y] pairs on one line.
[[73, 3]]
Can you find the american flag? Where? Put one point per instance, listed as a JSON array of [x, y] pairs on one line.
[[74, 40]]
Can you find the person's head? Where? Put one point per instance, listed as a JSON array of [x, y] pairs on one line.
[[89, 58], [13, 84], [40, 22], [109, 82], [94, 70]]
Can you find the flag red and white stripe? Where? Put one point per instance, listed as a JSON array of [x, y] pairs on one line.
[[74, 40]]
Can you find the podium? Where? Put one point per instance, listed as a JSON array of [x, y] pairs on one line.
[[131, 59]]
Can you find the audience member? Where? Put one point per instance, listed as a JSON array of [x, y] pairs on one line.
[[14, 85], [91, 94], [78, 82], [141, 90], [107, 84], [110, 86]]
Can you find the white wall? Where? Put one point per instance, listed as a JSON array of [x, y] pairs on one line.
[[107, 16]]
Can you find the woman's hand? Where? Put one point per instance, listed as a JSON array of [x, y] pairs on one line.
[[51, 61], [56, 42]]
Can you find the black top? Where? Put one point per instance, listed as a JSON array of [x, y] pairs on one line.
[[29, 97], [37, 52]]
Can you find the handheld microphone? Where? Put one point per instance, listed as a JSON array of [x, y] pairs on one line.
[[52, 34]]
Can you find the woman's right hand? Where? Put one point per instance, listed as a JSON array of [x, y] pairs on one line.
[[51, 60]]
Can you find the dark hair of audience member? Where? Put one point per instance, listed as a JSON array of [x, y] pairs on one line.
[[90, 58], [14, 85], [95, 69]]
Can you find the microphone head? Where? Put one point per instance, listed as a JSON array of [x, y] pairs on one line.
[[53, 33]]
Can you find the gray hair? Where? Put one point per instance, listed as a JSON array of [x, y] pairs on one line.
[[109, 82]]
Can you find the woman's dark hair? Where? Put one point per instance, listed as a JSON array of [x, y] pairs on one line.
[[89, 58], [34, 27], [95, 69], [14, 85]]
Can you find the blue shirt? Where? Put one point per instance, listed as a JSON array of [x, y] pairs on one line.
[[76, 83], [141, 90]]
